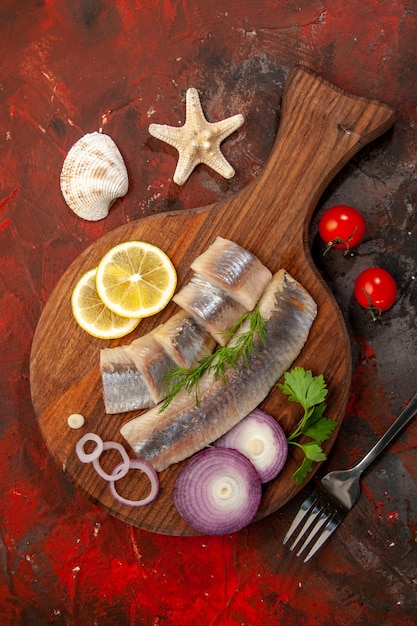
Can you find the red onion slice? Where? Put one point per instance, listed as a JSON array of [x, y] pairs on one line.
[[150, 472], [123, 467], [89, 457], [261, 439], [218, 491]]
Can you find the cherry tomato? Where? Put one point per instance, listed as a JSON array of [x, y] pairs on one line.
[[375, 290], [341, 227]]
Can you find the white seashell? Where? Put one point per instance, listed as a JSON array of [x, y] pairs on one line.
[[93, 176]]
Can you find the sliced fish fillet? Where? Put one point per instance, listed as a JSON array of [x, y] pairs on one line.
[[124, 387], [185, 427], [133, 376], [210, 306], [237, 271], [184, 339], [151, 359]]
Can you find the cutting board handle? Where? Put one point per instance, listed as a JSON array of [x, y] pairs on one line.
[[320, 129]]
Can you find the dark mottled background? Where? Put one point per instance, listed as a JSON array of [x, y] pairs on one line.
[[68, 68]]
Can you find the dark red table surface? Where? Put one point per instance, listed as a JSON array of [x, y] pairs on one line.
[[68, 68]]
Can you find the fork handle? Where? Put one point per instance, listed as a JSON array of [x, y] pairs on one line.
[[401, 421]]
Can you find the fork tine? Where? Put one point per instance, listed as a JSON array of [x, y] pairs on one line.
[[329, 529], [324, 517], [313, 513], [302, 512], [312, 518]]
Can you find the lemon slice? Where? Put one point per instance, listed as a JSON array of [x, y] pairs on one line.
[[91, 313], [136, 279]]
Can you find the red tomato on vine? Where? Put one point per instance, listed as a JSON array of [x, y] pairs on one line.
[[341, 227], [375, 290]]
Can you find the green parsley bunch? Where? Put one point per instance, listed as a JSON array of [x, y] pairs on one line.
[[310, 392]]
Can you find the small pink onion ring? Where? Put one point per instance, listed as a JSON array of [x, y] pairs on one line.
[[150, 472], [89, 457], [123, 467]]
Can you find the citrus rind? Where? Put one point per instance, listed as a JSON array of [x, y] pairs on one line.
[[93, 316], [136, 279]]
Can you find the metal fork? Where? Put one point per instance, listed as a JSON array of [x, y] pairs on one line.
[[336, 493]]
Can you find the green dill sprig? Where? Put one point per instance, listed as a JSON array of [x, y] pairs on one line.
[[240, 346]]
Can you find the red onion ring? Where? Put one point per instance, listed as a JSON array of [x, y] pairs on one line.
[[123, 467], [150, 472], [218, 491], [89, 457]]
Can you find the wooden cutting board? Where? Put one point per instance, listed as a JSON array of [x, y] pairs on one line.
[[321, 127]]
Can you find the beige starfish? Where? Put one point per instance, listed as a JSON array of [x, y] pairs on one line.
[[198, 141]]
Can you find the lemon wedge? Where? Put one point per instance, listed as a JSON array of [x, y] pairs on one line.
[[92, 314], [136, 279]]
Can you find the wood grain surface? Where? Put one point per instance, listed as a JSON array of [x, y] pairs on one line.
[[321, 127]]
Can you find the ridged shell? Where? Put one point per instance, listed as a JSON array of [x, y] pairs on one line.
[[93, 176]]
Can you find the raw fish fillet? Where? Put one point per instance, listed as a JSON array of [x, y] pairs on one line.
[[133, 375], [152, 360], [124, 388], [210, 306], [235, 270], [184, 427], [184, 339]]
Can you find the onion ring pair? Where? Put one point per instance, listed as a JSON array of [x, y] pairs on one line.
[[120, 470]]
